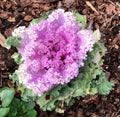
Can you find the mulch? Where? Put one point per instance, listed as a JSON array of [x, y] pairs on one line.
[[102, 14]]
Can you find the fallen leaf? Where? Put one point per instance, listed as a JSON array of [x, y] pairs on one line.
[[110, 8], [79, 113], [46, 7], [5, 14], [2, 40], [116, 46], [11, 19], [28, 18], [25, 2], [69, 2]]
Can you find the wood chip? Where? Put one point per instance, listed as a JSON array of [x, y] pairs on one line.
[[5, 15], [110, 8], [69, 2], [11, 19], [92, 7], [46, 7], [79, 113], [28, 18], [2, 40], [8, 32], [116, 46], [44, 1]]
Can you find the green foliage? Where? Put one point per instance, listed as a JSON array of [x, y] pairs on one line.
[[14, 76], [20, 108], [14, 107], [96, 35], [37, 20], [13, 41], [17, 57], [6, 96], [27, 94], [80, 18], [104, 86], [4, 111], [91, 80]]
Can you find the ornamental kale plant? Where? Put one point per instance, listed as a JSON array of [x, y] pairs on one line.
[[52, 51], [58, 60]]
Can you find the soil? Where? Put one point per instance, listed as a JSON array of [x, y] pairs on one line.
[[102, 14]]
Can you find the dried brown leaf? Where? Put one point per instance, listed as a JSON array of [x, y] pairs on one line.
[[46, 7], [28, 18], [92, 7], [5, 14], [2, 40], [43, 1], [11, 19]]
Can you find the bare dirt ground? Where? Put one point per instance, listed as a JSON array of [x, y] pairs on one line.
[[102, 14]]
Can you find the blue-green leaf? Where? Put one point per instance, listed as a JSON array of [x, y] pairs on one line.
[[13, 41], [17, 57], [37, 20], [96, 35], [81, 19], [4, 111], [104, 86], [7, 95], [31, 113], [30, 106]]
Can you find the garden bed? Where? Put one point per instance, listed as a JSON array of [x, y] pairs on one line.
[[102, 14]]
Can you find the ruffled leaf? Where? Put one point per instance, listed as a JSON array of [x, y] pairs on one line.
[[37, 20], [81, 19], [13, 41], [17, 57]]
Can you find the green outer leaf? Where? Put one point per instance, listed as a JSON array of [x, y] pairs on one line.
[[97, 58], [7, 95], [17, 57], [31, 113], [37, 20], [59, 110], [13, 41], [42, 100], [30, 106], [13, 111], [14, 77], [104, 86], [96, 35], [4, 111], [27, 94], [80, 18], [20, 108], [93, 91]]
